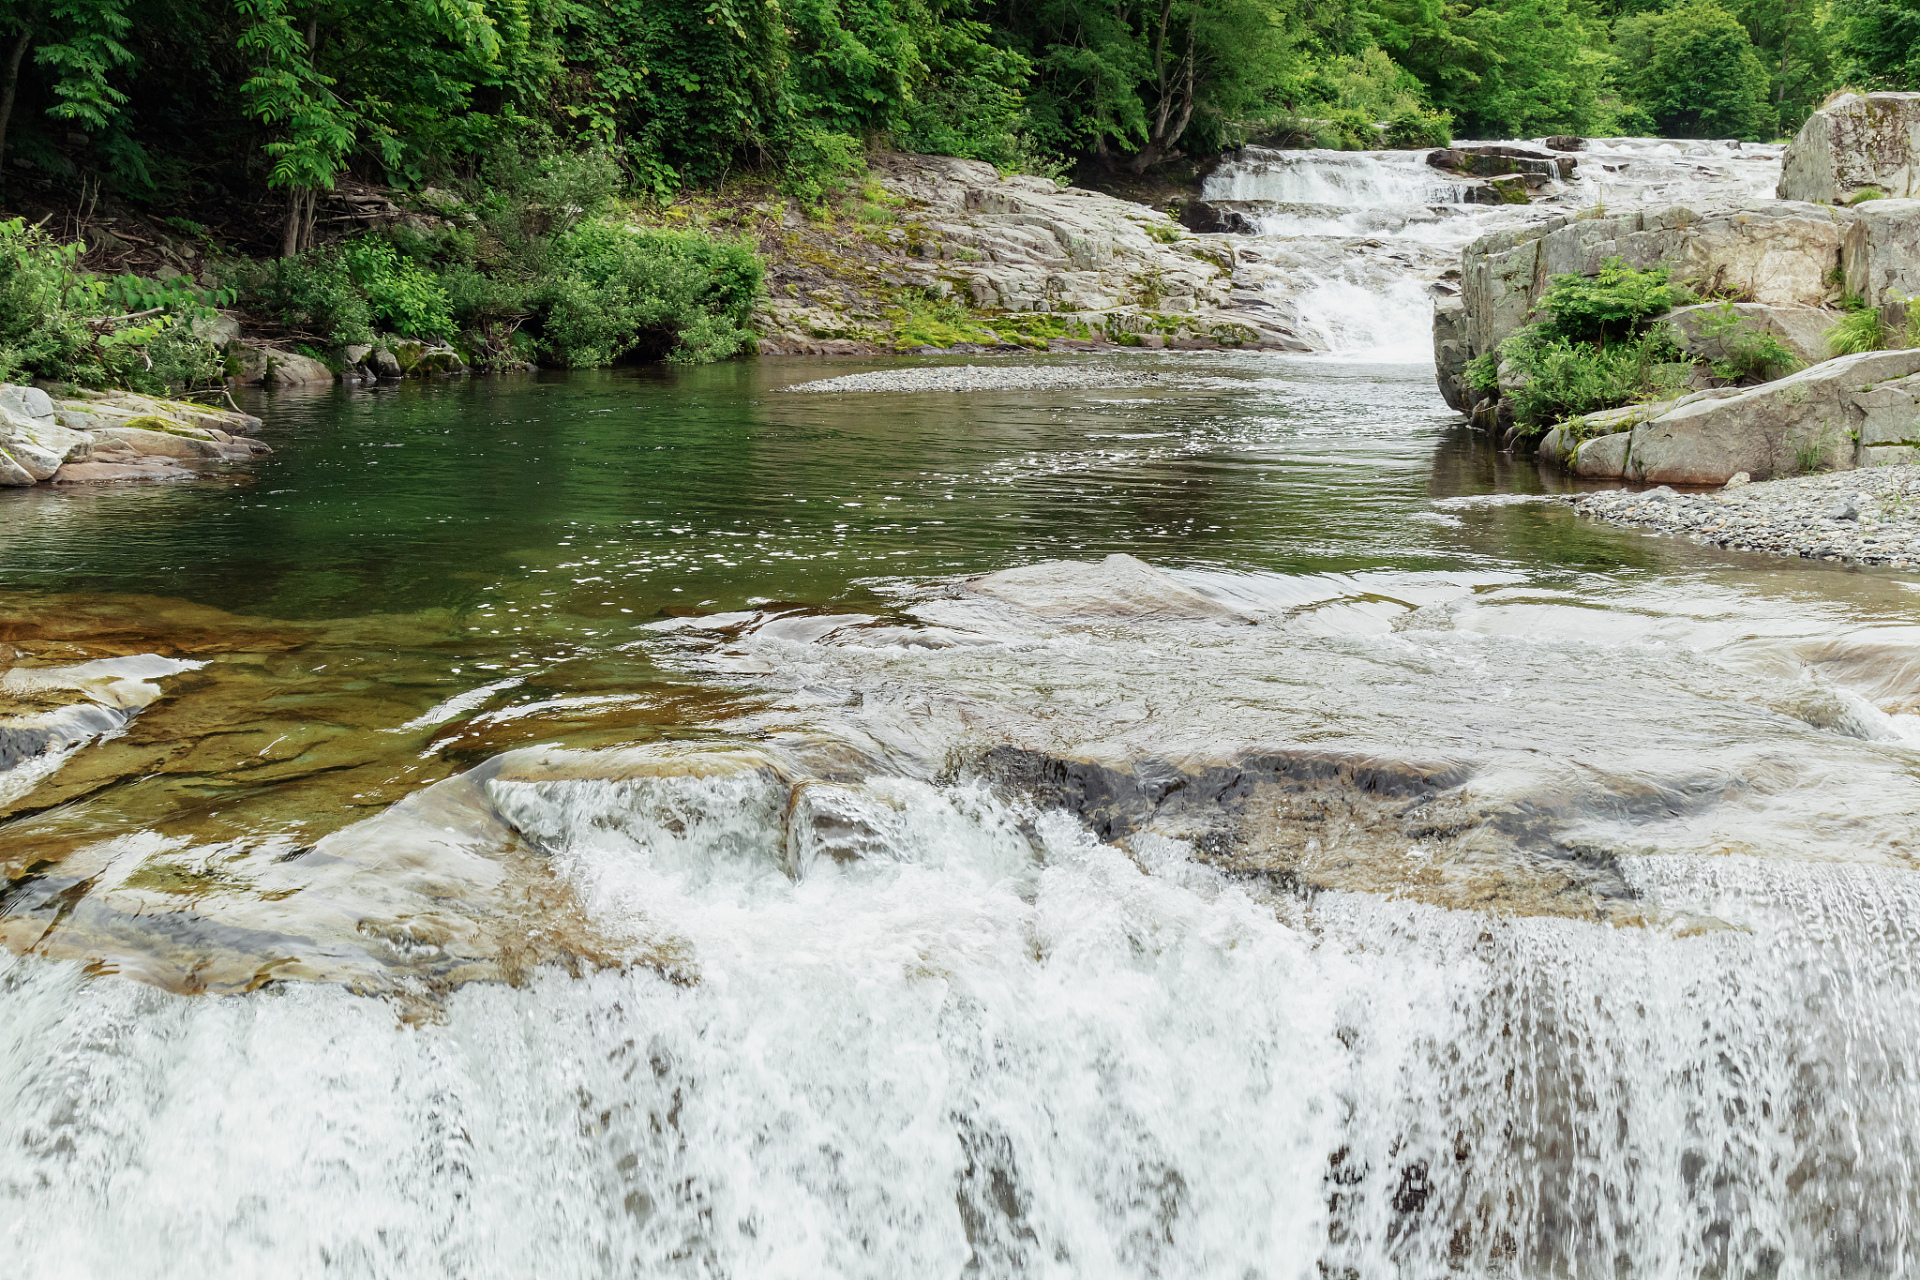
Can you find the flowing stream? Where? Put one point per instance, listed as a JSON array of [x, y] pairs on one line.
[[586, 825]]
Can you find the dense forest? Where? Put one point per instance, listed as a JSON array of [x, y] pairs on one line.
[[246, 115]]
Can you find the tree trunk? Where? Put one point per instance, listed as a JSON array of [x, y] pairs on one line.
[[6, 94]]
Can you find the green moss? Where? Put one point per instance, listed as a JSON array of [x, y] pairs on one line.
[[153, 422]]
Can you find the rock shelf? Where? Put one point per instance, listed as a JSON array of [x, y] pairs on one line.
[[1870, 516]]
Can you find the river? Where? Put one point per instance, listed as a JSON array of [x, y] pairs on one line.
[[582, 825]]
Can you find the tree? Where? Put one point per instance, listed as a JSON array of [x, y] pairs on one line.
[[1694, 70], [76, 45], [1143, 78], [1503, 68], [1794, 40], [334, 76], [1879, 42]]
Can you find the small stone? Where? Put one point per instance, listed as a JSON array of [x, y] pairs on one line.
[[1737, 479], [1843, 508]]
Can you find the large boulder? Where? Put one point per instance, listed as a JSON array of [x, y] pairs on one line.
[[279, 368], [1450, 354], [1833, 416], [1777, 254], [1881, 255], [1856, 142]]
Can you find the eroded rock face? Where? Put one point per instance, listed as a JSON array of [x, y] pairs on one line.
[[1108, 269], [1881, 256], [1855, 143]]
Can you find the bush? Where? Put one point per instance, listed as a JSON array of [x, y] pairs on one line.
[[1563, 379], [1747, 354], [60, 325], [313, 294], [1416, 127], [1617, 302], [616, 291], [400, 297], [815, 162]]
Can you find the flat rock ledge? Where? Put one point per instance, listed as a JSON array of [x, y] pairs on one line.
[[974, 377], [1870, 516]]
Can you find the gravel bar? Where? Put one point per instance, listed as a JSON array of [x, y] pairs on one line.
[[974, 377], [1870, 516]]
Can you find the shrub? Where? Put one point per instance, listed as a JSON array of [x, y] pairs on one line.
[[313, 294], [1561, 378], [400, 297], [616, 291], [1414, 127], [1747, 354], [816, 160], [1617, 302], [61, 325]]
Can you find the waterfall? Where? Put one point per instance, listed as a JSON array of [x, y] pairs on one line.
[[1359, 244]]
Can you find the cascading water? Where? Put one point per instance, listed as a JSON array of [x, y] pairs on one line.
[[1353, 246], [1415, 882]]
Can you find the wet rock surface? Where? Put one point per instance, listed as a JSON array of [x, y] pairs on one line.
[[1869, 516]]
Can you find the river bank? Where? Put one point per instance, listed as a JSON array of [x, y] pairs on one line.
[[1869, 516]]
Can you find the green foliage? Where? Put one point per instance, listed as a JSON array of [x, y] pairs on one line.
[[817, 161], [61, 325], [1878, 43], [1502, 68], [1746, 352], [1561, 379], [1861, 329], [313, 294], [1617, 302], [400, 297], [616, 290], [1694, 71]]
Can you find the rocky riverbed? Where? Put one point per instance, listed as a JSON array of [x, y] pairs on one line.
[[1870, 516]]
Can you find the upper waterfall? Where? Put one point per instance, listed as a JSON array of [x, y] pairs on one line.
[[1352, 247]]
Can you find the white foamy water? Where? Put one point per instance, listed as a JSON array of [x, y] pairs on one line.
[[1358, 243]]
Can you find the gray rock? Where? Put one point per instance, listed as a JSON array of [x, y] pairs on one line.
[[282, 368], [1701, 329], [1118, 587], [13, 475], [1855, 142], [1604, 458], [1844, 507], [1769, 430], [159, 444], [1881, 256], [1450, 353], [218, 329], [25, 402], [383, 364]]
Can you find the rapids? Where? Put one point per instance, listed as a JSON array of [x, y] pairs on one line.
[[600, 825]]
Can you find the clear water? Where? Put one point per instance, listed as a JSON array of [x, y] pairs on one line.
[[565, 839]]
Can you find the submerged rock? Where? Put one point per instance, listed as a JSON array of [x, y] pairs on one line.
[[1119, 587]]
